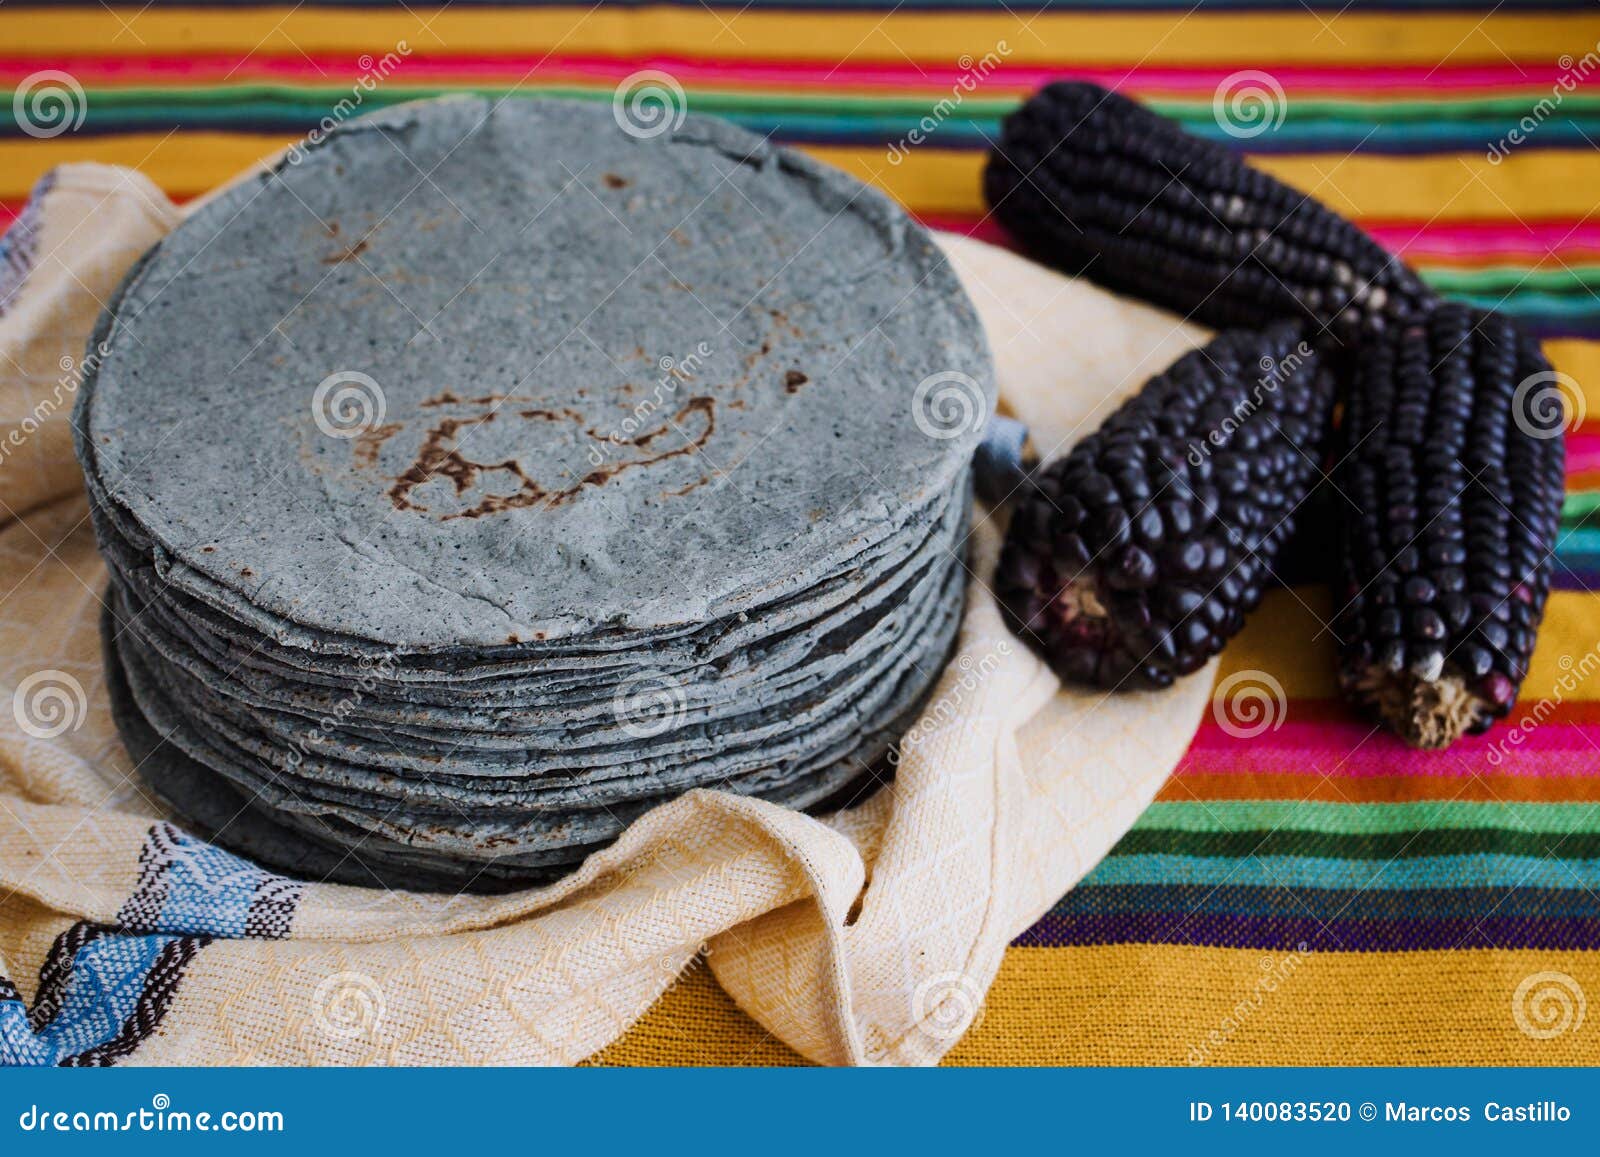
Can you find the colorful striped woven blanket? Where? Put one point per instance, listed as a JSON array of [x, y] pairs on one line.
[[1305, 890]]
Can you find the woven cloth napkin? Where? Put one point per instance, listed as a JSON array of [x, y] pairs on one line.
[[865, 937]]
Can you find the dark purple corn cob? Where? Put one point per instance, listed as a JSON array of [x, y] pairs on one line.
[[1454, 469], [1097, 184], [1132, 560]]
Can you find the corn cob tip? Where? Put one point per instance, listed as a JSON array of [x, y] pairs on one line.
[[1428, 714]]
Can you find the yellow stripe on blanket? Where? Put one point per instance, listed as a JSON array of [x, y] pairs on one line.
[[1221, 1006], [1286, 637], [183, 164], [1457, 186], [1093, 1006], [1438, 188], [1147, 38], [1580, 360]]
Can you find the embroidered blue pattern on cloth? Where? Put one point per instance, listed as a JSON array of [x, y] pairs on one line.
[[19, 244], [104, 989]]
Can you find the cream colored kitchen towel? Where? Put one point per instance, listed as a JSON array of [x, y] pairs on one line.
[[869, 936]]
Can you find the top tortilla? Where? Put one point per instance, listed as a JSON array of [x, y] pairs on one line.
[[513, 278]]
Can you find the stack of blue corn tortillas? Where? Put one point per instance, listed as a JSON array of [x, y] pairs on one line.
[[486, 475]]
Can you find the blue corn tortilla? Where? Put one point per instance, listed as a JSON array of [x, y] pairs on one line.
[[510, 308], [538, 518]]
